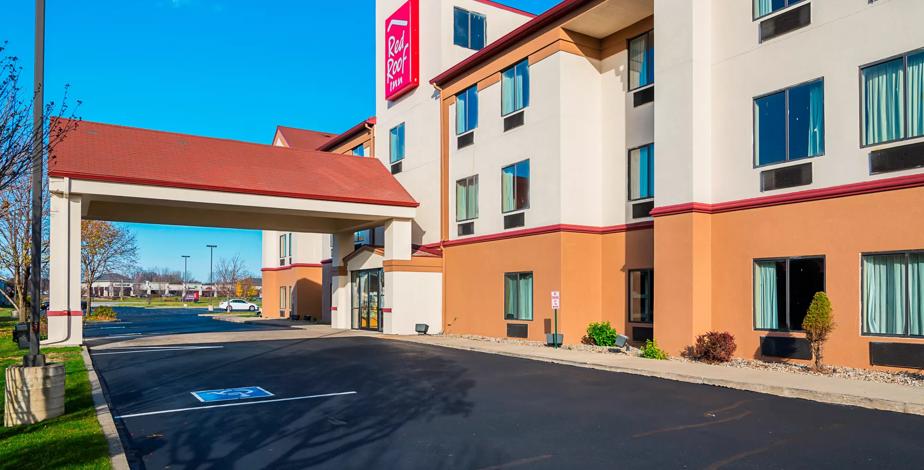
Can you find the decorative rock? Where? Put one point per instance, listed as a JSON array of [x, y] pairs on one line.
[[33, 394]]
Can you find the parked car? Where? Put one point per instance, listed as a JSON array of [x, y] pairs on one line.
[[237, 305]]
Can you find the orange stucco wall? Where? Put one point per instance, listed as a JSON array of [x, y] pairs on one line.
[[588, 269], [307, 282], [704, 270]]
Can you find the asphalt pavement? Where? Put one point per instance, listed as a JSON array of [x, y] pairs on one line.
[[361, 402]]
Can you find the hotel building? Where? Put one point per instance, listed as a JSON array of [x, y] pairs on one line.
[[672, 167]]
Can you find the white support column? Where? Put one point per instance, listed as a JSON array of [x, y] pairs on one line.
[[65, 317], [398, 305], [340, 310]]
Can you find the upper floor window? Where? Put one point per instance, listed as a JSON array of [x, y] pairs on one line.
[[893, 99], [790, 124], [765, 7], [359, 151], [285, 249], [467, 199], [893, 294], [470, 29], [515, 187], [396, 143], [641, 61], [467, 110], [641, 173], [515, 88]]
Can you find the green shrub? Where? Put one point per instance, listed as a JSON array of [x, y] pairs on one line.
[[602, 334], [651, 351], [102, 314], [818, 324]]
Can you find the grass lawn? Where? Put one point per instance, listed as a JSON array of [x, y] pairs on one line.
[[73, 440]]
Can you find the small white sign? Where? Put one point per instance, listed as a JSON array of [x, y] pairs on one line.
[[556, 299]]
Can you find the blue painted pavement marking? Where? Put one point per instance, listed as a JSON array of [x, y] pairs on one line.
[[239, 393]]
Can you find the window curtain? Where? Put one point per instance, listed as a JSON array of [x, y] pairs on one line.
[[762, 7], [885, 113], [522, 85], [816, 134], [884, 294], [646, 173], [525, 294], [510, 296], [508, 92], [916, 95], [397, 143], [916, 288], [766, 307], [472, 203], [508, 196], [461, 199], [637, 63], [462, 113]]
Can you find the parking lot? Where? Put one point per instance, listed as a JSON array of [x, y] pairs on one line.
[[360, 402]]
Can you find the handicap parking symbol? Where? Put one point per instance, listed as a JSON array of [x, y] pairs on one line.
[[225, 394]]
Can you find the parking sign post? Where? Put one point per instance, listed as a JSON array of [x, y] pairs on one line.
[[556, 304]]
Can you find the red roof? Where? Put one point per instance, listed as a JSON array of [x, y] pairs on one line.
[[303, 138], [105, 152], [497, 47], [347, 135]]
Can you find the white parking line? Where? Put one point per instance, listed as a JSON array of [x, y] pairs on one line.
[[226, 405], [126, 335], [179, 348]]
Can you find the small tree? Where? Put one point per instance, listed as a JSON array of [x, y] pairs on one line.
[[818, 324], [228, 272], [104, 248]]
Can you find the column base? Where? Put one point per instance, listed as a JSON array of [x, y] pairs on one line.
[[64, 328]]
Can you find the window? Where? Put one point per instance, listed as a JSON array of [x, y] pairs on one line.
[[359, 151], [467, 110], [790, 124], [641, 173], [893, 294], [641, 61], [518, 296], [765, 7], [893, 99], [282, 299], [285, 249], [360, 237], [641, 296], [469, 29], [515, 88], [467, 199], [396, 143], [783, 291], [515, 187]]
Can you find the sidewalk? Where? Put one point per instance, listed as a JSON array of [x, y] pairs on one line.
[[873, 395]]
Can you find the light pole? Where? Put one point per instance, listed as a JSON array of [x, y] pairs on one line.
[[35, 358], [185, 264], [211, 255]]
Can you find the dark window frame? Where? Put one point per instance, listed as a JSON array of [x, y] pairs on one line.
[[789, 329], [651, 297], [528, 199], [907, 124], [907, 254], [532, 314], [469, 13], [469, 180], [629, 173], [789, 5], [755, 141], [650, 37]]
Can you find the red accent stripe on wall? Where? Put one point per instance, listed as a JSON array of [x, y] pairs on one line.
[[853, 189], [65, 313], [293, 265], [386, 310], [560, 228]]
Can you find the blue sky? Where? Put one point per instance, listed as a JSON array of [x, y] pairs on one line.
[[221, 68]]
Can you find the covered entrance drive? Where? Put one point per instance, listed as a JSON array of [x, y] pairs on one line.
[[368, 290], [121, 174]]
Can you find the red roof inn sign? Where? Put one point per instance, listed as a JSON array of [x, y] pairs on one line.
[[402, 72]]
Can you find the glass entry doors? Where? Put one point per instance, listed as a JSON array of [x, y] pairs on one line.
[[368, 290]]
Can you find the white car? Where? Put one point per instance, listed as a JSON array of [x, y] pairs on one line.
[[237, 304]]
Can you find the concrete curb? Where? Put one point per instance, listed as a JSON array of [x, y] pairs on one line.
[[783, 391], [103, 415]]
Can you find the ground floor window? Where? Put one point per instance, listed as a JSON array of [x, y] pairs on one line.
[[641, 296], [518, 296], [783, 291], [893, 294], [283, 291]]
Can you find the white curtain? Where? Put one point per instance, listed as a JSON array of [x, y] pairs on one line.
[[508, 91], [762, 7], [507, 189]]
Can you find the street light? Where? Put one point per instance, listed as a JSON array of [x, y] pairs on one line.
[[185, 261], [211, 253], [35, 358]]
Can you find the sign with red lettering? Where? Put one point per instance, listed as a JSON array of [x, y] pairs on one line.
[[556, 300], [402, 72]]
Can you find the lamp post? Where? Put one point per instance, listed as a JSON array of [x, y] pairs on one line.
[[211, 255], [35, 358], [185, 264]]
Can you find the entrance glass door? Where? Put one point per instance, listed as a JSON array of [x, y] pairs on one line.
[[368, 290]]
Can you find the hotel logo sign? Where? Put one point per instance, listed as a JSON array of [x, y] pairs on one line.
[[402, 51]]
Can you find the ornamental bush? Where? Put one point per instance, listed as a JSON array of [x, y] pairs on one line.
[[103, 313], [818, 324], [714, 346], [651, 351], [602, 334]]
